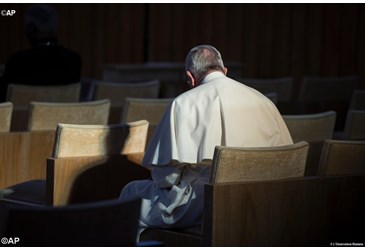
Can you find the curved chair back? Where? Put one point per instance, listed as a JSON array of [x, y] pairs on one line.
[[149, 109], [106, 223], [237, 164], [318, 89], [342, 157], [6, 110], [46, 115], [355, 125], [21, 95], [98, 140], [282, 86], [313, 128], [358, 100], [118, 92]]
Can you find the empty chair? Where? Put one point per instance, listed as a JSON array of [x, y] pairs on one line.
[[282, 86], [46, 115], [118, 92], [92, 143], [342, 157], [313, 128], [21, 95], [107, 223], [358, 100], [355, 125], [6, 110], [90, 146], [149, 109], [231, 164], [321, 89]]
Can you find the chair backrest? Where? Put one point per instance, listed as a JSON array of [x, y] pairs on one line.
[[6, 110], [319, 89], [342, 157], [149, 109], [21, 95], [314, 129], [282, 86], [273, 96], [97, 140], [106, 223], [355, 125], [118, 92], [46, 115], [237, 164], [311, 127], [358, 100]]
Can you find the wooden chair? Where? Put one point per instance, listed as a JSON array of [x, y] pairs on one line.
[[341, 157], [107, 223], [355, 125], [232, 164], [298, 212], [23, 156], [321, 89], [313, 128], [46, 115], [149, 109], [108, 156], [21, 96], [358, 100], [282, 86], [6, 110], [239, 165], [118, 92]]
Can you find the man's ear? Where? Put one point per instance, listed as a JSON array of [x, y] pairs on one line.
[[225, 70], [191, 79]]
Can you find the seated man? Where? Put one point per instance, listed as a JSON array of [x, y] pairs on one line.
[[217, 111], [47, 62]]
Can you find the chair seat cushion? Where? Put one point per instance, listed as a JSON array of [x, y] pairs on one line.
[[33, 191]]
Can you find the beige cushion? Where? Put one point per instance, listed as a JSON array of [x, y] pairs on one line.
[[311, 127], [118, 92], [21, 95], [96, 140], [236, 164], [149, 109], [46, 116]]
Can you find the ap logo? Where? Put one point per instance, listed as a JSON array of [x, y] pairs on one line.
[[8, 12]]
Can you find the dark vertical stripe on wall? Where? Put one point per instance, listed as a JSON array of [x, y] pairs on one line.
[[146, 33], [272, 40]]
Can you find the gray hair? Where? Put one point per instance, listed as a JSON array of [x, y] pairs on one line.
[[202, 59], [43, 18]]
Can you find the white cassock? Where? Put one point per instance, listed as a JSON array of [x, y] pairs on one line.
[[220, 111]]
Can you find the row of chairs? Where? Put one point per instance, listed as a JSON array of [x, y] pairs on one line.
[[71, 169], [313, 89], [46, 115], [313, 128]]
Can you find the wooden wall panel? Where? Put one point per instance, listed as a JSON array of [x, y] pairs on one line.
[[271, 40]]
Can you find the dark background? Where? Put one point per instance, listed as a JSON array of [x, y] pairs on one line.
[[271, 40]]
